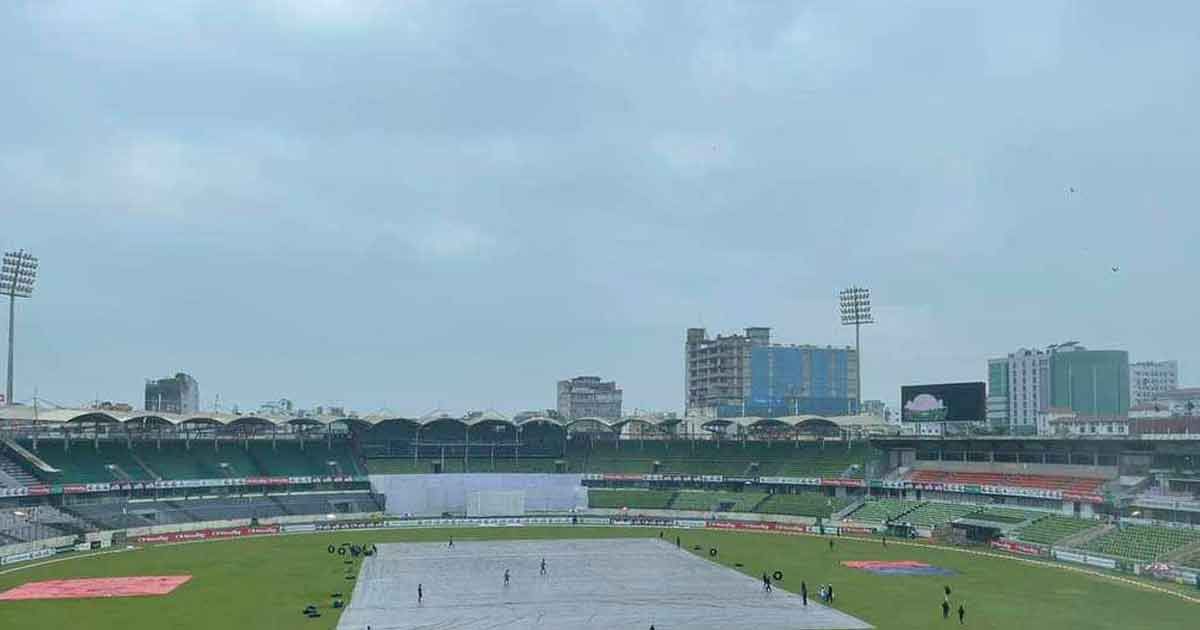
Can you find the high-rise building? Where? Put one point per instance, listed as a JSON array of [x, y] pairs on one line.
[[997, 392], [1018, 389], [175, 394], [1090, 382], [734, 375], [589, 397], [1028, 382], [1148, 379]]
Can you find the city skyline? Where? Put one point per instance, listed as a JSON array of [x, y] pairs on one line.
[[483, 218]]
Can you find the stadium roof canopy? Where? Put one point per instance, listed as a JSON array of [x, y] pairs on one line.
[[801, 423], [142, 419]]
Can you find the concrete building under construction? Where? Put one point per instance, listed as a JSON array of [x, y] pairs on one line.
[[175, 394], [589, 397], [740, 375]]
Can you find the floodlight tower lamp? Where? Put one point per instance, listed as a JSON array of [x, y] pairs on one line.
[[855, 303], [18, 273]]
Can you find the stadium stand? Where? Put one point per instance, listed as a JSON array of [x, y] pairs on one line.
[[110, 513], [12, 474], [717, 501], [700, 457], [1008, 516], [114, 460], [643, 499], [84, 462], [933, 514], [1051, 529], [812, 504], [881, 510], [1078, 485], [1141, 542]]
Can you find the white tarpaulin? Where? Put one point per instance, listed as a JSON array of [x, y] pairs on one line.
[[496, 503], [431, 495]]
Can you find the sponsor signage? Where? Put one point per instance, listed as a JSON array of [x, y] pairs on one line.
[[848, 483], [207, 534], [1082, 498], [1012, 546], [792, 481], [1169, 573], [1083, 558], [784, 528], [169, 484], [27, 556], [329, 527], [704, 478]]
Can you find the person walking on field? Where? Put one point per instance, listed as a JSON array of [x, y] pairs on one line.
[[962, 612], [945, 610], [803, 593]]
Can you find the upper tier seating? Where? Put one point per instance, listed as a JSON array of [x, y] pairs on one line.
[[114, 460], [1077, 485]]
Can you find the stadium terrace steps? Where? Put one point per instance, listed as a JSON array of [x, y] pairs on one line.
[[113, 460], [1188, 551], [706, 457], [1077, 485], [13, 476], [1005, 515], [1140, 542], [812, 504], [704, 501], [933, 514], [1054, 530], [633, 499], [881, 510]]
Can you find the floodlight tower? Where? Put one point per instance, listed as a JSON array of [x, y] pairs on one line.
[[856, 311], [17, 275]]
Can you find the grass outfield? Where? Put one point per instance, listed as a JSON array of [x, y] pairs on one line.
[[263, 583]]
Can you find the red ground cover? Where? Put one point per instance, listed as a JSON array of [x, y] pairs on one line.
[[96, 587]]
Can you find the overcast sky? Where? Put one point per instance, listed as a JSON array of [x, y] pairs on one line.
[[410, 205]]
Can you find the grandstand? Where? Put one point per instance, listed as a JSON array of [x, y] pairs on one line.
[[812, 504], [696, 457], [934, 514], [717, 501], [1139, 542], [118, 513], [1005, 516], [1052, 529], [880, 510], [1076, 485], [106, 461], [634, 499]]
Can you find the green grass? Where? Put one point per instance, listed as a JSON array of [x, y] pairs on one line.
[[263, 583]]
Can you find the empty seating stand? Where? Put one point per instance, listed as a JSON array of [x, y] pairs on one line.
[[1076, 485], [1052, 529]]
